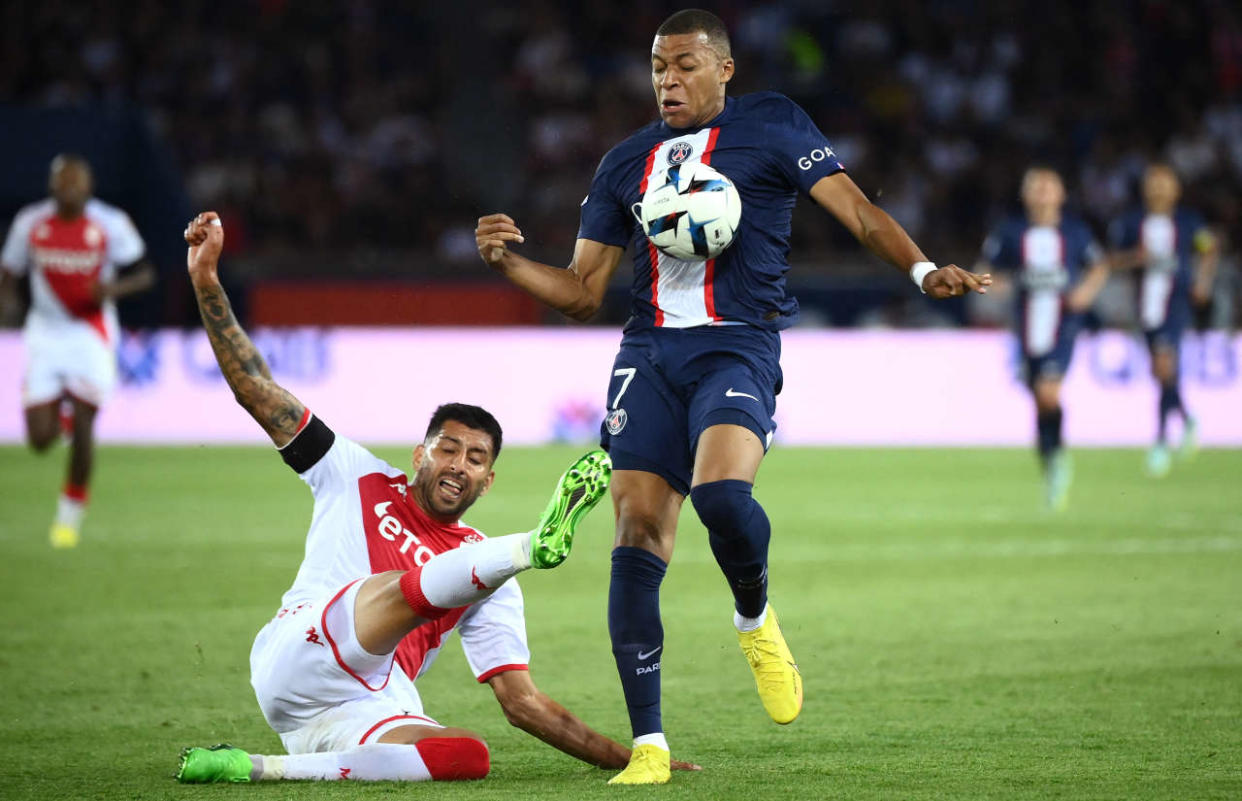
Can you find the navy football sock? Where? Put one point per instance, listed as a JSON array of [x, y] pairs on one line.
[[637, 634], [1170, 401], [738, 531], [1049, 426]]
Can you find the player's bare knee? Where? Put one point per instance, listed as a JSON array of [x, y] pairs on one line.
[[1163, 366], [83, 421], [42, 426], [1047, 396], [40, 439], [41, 433], [646, 519], [638, 529]]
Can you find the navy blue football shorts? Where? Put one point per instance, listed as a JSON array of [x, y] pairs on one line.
[[1055, 363], [1168, 335], [668, 385]]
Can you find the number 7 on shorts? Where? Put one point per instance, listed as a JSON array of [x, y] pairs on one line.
[[628, 372]]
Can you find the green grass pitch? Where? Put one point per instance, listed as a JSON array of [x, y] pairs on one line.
[[956, 641]]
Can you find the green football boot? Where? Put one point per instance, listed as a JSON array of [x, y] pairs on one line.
[[580, 488], [1059, 475], [1190, 440], [1159, 460], [220, 763]]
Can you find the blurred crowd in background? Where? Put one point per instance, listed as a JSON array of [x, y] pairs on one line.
[[364, 138]]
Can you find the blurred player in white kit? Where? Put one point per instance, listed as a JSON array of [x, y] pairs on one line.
[[81, 256]]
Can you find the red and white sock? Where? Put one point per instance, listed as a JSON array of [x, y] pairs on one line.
[[465, 575], [71, 506], [435, 758]]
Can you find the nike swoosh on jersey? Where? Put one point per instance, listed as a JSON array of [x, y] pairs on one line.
[[642, 656], [729, 393]]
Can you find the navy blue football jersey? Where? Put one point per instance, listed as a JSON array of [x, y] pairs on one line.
[[771, 150], [1169, 242], [1047, 261]]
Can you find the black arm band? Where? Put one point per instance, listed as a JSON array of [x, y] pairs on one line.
[[308, 446]]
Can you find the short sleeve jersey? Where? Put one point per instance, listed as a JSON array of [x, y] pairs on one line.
[[65, 258], [1170, 240], [1047, 262], [365, 521], [771, 150], [1043, 257]]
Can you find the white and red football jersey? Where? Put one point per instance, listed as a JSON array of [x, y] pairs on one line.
[[365, 521], [65, 258]]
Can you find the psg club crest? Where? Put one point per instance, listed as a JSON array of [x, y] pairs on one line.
[[679, 152], [615, 421]]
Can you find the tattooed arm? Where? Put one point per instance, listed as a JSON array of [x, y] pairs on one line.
[[271, 405]]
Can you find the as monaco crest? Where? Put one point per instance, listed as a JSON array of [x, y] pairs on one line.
[[679, 152]]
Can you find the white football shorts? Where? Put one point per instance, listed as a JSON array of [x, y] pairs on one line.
[[317, 686], [72, 359]]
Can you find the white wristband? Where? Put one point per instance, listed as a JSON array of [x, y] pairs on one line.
[[919, 271]]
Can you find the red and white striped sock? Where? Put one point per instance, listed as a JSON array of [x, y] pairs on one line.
[[464, 575], [435, 758], [71, 506]]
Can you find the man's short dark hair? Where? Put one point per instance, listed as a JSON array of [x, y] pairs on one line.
[[475, 417], [696, 20]]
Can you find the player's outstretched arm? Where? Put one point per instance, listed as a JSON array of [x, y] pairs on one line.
[[1088, 287], [883, 236], [1131, 259], [531, 710], [576, 292], [136, 278], [271, 405]]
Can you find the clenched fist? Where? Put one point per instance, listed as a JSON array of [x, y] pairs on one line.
[[205, 236]]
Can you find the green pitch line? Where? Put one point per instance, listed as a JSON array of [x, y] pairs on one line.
[[956, 641]]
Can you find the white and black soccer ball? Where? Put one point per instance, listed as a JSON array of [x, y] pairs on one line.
[[693, 215]]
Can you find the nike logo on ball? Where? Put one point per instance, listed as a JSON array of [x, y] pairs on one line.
[[729, 393], [642, 656]]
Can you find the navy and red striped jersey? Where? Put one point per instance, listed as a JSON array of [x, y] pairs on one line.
[[1170, 243], [771, 150], [1047, 262]]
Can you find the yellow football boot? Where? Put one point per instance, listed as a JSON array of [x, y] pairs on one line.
[[776, 673], [63, 536], [648, 765]]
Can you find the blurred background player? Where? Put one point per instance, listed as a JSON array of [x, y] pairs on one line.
[[81, 255], [694, 385], [378, 592], [1176, 252], [1058, 269]]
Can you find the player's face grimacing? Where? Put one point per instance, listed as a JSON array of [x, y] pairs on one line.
[[689, 79], [452, 469]]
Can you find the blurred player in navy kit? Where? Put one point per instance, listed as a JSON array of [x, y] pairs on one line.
[[693, 387], [1058, 269], [1176, 253]]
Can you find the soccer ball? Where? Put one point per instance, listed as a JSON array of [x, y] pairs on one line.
[[693, 215]]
